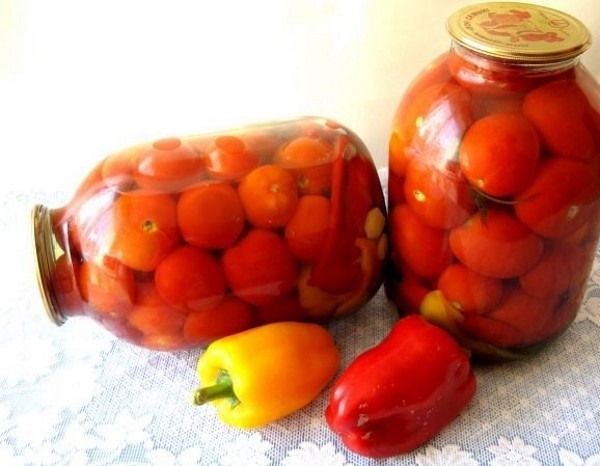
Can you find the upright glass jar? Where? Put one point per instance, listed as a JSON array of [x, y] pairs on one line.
[[175, 243], [494, 180]]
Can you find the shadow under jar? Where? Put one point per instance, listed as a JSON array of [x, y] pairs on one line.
[[494, 181], [175, 243]]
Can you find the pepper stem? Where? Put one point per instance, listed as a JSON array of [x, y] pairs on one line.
[[223, 388]]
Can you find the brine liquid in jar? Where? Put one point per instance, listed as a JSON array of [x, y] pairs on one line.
[[494, 180], [174, 243]]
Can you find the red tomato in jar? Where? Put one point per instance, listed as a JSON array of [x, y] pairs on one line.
[[89, 214], [228, 158], [562, 197], [190, 279], [231, 315], [304, 151], [423, 249], [436, 74], [210, 216], [480, 76], [151, 315], [269, 195], [309, 160], [469, 291], [562, 316], [107, 286], [143, 229], [558, 110], [434, 122], [260, 268], [499, 154], [496, 244], [121, 328], [441, 198], [517, 321], [65, 277], [168, 165], [561, 269]]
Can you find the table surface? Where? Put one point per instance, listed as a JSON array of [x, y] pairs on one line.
[[76, 395]]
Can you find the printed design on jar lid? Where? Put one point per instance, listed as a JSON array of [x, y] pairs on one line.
[[519, 32]]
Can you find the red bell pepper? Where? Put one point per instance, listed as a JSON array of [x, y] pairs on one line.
[[338, 270], [399, 394]]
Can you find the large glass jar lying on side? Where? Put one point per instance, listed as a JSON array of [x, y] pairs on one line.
[[175, 243], [494, 180]]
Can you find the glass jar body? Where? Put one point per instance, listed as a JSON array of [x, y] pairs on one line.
[[175, 243], [494, 198]]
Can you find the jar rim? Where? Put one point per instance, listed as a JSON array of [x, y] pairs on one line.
[[519, 32], [41, 229]]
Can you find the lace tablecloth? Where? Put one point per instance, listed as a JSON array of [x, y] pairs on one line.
[[76, 396]]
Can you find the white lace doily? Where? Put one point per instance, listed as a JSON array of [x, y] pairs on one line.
[[76, 396]]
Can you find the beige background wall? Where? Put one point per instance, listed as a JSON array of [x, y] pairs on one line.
[[79, 79]]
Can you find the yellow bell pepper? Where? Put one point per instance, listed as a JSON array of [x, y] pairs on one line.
[[263, 374]]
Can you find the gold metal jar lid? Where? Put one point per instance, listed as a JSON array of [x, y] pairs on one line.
[[41, 229], [519, 32]]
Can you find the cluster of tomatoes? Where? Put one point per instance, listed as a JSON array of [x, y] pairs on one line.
[[494, 199], [179, 242]]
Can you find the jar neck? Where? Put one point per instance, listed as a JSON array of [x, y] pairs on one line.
[[45, 261], [528, 68]]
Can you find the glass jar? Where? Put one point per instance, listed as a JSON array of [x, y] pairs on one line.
[[175, 243], [494, 180]]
